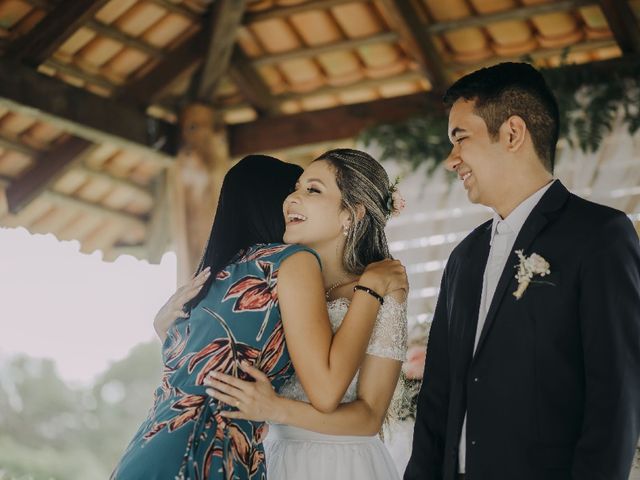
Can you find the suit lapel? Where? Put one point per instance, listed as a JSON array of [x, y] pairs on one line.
[[472, 271], [552, 200]]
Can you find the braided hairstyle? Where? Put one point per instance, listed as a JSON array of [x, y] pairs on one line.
[[362, 182]]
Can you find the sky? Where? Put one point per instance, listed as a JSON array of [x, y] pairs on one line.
[[58, 303]]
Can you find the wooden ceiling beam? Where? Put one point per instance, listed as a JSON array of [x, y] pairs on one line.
[[623, 23], [148, 89], [83, 206], [83, 114], [145, 90], [49, 166], [112, 179], [351, 44], [293, 9], [43, 4], [412, 28], [540, 54], [73, 71], [53, 30], [269, 134], [225, 19], [121, 37], [31, 152], [10, 144], [251, 84], [521, 13], [93, 208], [409, 76], [178, 8], [264, 135]]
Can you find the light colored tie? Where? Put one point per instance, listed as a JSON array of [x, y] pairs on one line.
[[495, 266]]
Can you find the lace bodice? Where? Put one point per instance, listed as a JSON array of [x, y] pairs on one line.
[[388, 340]]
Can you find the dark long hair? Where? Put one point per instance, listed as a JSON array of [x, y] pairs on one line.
[[249, 212]]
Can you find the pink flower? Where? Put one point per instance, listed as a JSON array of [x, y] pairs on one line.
[[397, 203], [413, 367]]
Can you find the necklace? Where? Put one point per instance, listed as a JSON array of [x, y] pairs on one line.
[[339, 283]]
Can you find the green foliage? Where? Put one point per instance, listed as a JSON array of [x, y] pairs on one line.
[[590, 101], [417, 141], [52, 431]]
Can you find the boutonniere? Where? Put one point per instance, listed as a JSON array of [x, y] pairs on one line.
[[528, 267]]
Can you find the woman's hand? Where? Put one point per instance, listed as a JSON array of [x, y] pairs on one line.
[[385, 276], [256, 401], [173, 309]]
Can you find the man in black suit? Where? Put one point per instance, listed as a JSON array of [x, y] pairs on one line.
[[533, 361]]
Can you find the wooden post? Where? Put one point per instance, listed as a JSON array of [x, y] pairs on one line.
[[194, 184]]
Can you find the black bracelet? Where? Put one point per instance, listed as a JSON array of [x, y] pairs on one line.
[[373, 293]]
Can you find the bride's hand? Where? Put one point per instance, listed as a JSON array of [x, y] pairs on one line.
[[385, 276], [256, 401], [173, 309]]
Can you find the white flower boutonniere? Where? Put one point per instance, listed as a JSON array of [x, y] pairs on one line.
[[529, 266]]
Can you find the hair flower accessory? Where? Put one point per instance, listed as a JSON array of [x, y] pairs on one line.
[[529, 266], [395, 202]]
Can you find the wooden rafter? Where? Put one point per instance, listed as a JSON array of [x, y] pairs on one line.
[[347, 121], [146, 89], [83, 206], [48, 166], [121, 37], [539, 54], [623, 24], [410, 76], [72, 70], [43, 4], [225, 19], [293, 9], [10, 144], [409, 23], [353, 43], [93, 208], [179, 8], [251, 84], [59, 24], [83, 114], [520, 13]]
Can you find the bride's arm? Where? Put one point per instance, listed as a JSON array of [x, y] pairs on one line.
[[325, 363], [364, 416]]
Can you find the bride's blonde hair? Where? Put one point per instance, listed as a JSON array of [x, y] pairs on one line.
[[363, 182]]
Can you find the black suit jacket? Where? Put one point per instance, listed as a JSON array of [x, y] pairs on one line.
[[553, 390]]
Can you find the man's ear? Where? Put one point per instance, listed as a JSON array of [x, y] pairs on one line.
[[513, 133]]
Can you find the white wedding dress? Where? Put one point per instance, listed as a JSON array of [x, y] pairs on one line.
[[298, 454]]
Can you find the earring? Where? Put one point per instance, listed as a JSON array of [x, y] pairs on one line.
[[345, 230]]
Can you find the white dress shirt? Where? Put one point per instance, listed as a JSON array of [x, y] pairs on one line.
[[503, 236]]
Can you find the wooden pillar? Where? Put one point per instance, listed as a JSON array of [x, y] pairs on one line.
[[194, 184]]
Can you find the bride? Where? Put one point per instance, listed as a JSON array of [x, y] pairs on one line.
[[304, 442]]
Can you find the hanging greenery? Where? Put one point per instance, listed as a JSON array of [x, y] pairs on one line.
[[590, 97]]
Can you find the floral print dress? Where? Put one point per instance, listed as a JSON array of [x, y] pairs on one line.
[[184, 435]]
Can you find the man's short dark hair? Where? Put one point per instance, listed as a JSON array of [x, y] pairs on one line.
[[510, 89]]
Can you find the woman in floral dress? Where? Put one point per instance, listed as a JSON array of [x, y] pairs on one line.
[[236, 317], [303, 442]]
